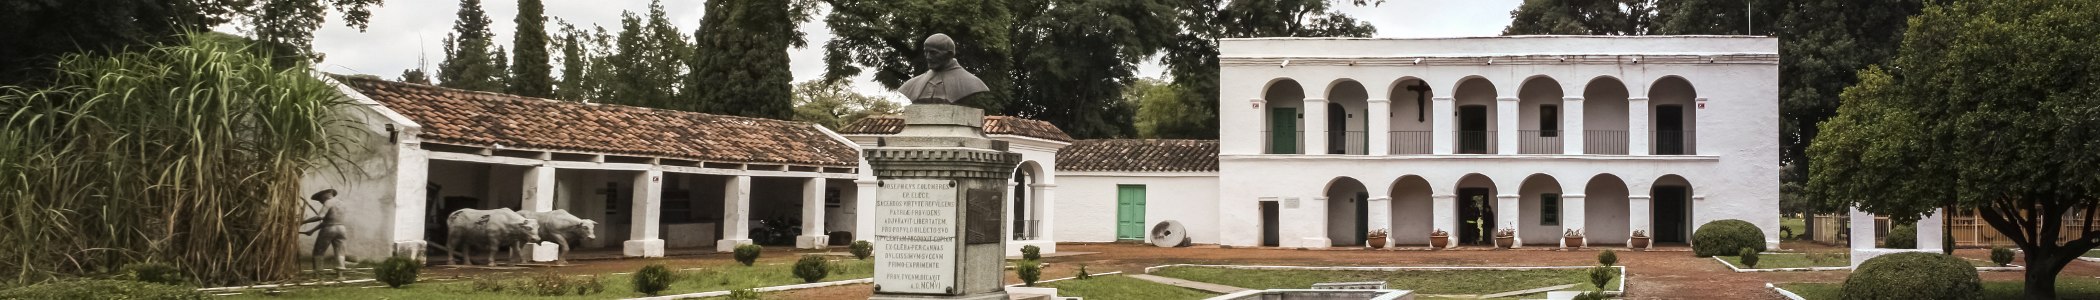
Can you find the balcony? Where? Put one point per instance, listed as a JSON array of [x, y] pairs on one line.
[[1673, 142], [1411, 142], [1609, 142], [1476, 141], [1271, 146], [1348, 142], [1539, 142]]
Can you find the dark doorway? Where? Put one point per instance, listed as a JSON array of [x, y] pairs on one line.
[[1283, 130], [1669, 129], [1021, 226], [1337, 129], [1670, 214], [1476, 215], [1472, 129], [1269, 232], [1363, 218]]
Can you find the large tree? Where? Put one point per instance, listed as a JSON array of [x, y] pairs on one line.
[[740, 59], [470, 62], [882, 37], [530, 73], [1073, 58], [37, 33], [647, 63], [1988, 105], [832, 104], [1581, 17], [1825, 43]]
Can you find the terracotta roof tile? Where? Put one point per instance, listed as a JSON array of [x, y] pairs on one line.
[[992, 125], [1140, 156], [470, 118]]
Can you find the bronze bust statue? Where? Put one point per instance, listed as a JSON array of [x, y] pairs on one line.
[[945, 81]]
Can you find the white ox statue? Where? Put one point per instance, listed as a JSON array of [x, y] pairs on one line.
[[560, 227], [493, 228]]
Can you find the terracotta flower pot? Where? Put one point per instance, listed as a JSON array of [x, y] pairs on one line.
[[1377, 243], [1505, 242], [1571, 242], [1638, 243], [1438, 242]]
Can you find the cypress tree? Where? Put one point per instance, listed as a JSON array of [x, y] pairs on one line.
[[529, 71], [468, 63], [739, 66]]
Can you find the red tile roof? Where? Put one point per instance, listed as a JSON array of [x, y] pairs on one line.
[[992, 125], [471, 118], [1140, 156]]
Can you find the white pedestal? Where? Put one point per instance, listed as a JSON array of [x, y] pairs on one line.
[[729, 245], [643, 248], [811, 241], [544, 251]]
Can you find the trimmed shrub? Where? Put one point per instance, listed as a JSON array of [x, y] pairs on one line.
[[862, 249], [1608, 258], [812, 268], [548, 284], [747, 253], [744, 294], [102, 289], [1749, 257], [656, 278], [1593, 295], [1914, 275], [2002, 256], [1083, 275], [1902, 236], [1600, 276], [1029, 271], [153, 272], [589, 285], [1726, 237], [1031, 252], [397, 271]]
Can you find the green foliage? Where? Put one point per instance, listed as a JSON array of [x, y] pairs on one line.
[[2001, 255], [1748, 256], [745, 294], [40, 33], [552, 284], [1031, 252], [740, 66], [1901, 236], [1913, 275], [530, 73], [589, 285], [1192, 55], [862, 249], [1083, 275], [882, 37], [397, 271], [1827, 43], [1580, 17], [1029, 271], [1979, 109], [470, 55], [154, 272], [488, 284], [835, 104], [1724, 237], [1608, 258], [102, 289], [1593, 295], [812, 268], [1727, 17], [1602, 275], [747, 253], [416, 76], [653, 279], [91, 163], [645, 65], [1166, 111]]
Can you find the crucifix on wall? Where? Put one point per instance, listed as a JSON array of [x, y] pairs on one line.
[[1421, 90]]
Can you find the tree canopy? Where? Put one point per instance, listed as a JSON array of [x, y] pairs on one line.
[[831, 104], [1987, 105], [882, 37], [739, 64], [37, 33], [470, 56], [531, 74]]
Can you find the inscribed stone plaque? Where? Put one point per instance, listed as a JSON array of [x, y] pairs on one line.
[[984, 216], [1290, 203], [915, 236]]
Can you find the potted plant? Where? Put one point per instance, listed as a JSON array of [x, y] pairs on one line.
[[1506, 237], [1376, 238], [1438, 238], [1571, 239], [1639, 241]]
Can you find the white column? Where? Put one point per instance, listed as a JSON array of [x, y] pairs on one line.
[[1571, 128], [411, 188], [1637, 126], [1931, 236], [1380, 132], [1445, 211], [1572, 210], [864, 209], [1315, 225], [1440, 131], [736, 211], [1509, 212], [812, 215], [1506, 125], [1045, 213], [1381, 216], [539, 196], [1637, 218], [1315, 126], [1006, 224], [643, 239]]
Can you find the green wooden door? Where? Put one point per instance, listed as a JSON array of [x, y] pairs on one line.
[[1130, 212], [1283, 130]]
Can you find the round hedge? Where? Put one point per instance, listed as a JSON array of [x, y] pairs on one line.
[[1903, 236], [1726, 237], [1913, 275]]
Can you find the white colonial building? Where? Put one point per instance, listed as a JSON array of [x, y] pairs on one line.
[[1324, 139]]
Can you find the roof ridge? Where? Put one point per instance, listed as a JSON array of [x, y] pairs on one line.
[[555, 101]]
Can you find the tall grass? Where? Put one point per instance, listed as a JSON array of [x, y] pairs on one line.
[[186, 154]]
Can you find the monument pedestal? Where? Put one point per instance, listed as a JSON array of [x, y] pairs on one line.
[[939, 206]]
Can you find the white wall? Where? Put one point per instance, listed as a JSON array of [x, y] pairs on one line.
[[1412, 215], [1086, 207], [1534, 232], [377, 206]]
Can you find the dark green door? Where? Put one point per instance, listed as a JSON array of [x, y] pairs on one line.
[[1283, 130], [1130, 212]]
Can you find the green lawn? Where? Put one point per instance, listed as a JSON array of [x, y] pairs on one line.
[[2091, 253], [616, 286], [1460, 282], [1797, 225], [2067, 287], [1776, 261], [1121, 287]]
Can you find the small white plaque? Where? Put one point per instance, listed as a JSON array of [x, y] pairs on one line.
[[1290, 203], [915, 236]]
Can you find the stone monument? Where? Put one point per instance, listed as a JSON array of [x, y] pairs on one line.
[[939, 202]]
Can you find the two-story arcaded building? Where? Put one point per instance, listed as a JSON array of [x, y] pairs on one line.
[[1325, 139]]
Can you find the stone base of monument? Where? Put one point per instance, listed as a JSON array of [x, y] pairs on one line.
[[811, 241], [643, 248], [983, 296]]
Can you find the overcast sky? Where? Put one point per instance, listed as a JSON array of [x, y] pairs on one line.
[[404, 30]]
